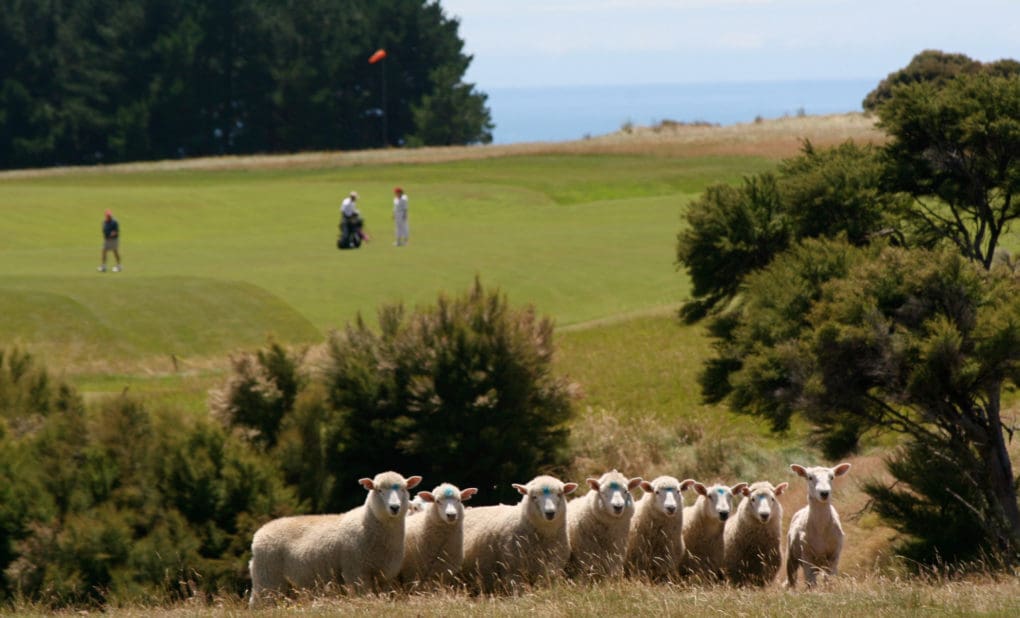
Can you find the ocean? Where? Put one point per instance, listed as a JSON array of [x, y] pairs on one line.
[[575, 112]]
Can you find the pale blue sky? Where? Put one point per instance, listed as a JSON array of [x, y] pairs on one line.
[[573, 42]]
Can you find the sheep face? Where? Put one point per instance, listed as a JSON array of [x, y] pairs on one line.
[[719, 498], [388, 494], [614, 497], [544, 497], [762, 501], [665, 492], [819, 479], [447, 502]]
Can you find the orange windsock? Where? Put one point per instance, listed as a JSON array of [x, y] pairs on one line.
[[377, 56]]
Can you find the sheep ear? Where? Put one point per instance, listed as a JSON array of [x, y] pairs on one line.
[[465, 494], [647, 487], [635, 482], [745, 490], [739, 488], [569, 488], [593, 483], [780, 488], [686, 483], [426, 496], [367, 483], [701, 489], [841, 469], [413, 481], [521, 489], [800, 470]]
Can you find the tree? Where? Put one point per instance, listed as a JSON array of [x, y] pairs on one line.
[[914, 341], [732, 232], [454, 114], [956, 149], [929, 66]]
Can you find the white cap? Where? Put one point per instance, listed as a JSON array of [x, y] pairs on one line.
[[354, 194]]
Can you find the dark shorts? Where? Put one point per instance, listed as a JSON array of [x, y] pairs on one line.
[[111, 243]]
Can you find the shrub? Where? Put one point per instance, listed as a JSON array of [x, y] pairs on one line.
[[462, 391]]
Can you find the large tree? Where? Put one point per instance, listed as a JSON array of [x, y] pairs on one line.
[[923, 343]]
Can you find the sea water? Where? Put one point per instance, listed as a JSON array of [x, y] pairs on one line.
[[575, 112]]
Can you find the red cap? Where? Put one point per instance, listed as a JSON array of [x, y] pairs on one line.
[[398, 190]]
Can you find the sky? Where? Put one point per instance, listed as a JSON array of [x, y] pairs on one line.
[[526, 43]]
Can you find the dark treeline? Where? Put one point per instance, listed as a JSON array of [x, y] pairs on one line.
[[103, 81]]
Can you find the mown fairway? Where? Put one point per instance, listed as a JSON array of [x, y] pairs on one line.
[[215, 260]]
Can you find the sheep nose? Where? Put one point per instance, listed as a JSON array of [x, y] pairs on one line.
[[617, 508], [671, 509], [824, 495], [723, 515], [451, 517], [394, 508], [550, 515], [764, 516]]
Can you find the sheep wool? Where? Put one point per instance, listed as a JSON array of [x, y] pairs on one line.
[[752, 538], [815, 538], [362, 548], [703, 529], [506, 547], [598, 525], [655, 543], [434, 540]]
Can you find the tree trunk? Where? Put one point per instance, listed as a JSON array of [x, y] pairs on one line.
[[1001, 483]]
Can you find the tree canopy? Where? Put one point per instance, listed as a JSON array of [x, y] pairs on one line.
[[872, 303], [101, 81]]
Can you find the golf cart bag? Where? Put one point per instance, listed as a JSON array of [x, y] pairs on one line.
[[350, 232]]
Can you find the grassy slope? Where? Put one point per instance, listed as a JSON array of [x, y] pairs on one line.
[[581, 237]]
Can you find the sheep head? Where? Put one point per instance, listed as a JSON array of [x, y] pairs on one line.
[[447, 502], [388, 495], [544, 498], [819, 479]]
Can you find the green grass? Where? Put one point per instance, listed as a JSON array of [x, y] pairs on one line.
[[213, 259]]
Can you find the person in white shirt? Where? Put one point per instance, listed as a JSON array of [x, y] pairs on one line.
[[400, 216], [351, 233], [349, 207]]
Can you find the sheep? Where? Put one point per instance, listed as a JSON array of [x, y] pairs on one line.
[[655, 543], [416, 505], [703, 529], [598, 525], [506, 546], [361, 548], [752, 539], [434, 542], [815, 538]]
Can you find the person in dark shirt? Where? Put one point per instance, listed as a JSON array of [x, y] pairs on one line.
[[111, 241]]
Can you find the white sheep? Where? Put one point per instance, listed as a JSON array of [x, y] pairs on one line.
[[507, 546], [815, 538], [416, 505], [361, 548], [752, 538], [598, 525], [434, 542], [655, 543], [703, 529]]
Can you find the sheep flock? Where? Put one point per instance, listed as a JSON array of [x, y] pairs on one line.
[[729, 533]]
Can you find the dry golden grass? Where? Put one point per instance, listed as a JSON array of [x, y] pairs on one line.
[[848, 596], [776, 138]]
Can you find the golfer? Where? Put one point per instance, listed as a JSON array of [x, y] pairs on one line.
[[400, 216]]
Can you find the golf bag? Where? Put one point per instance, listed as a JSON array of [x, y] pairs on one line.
[[350, 232]]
